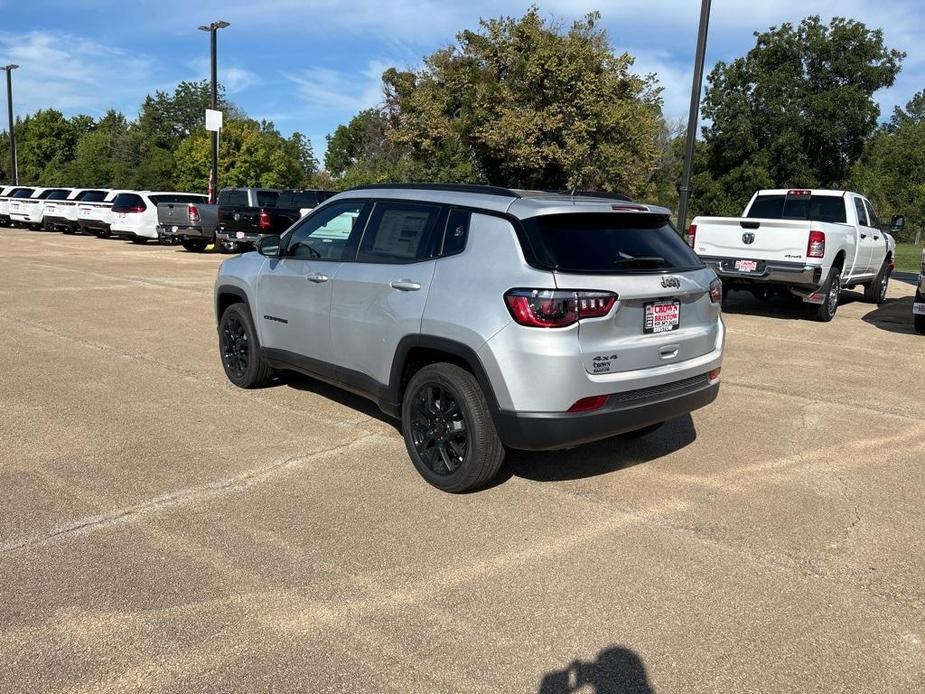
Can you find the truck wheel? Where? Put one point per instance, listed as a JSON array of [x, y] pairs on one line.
[[875, 292], [448, 429], [239, 349], [831, 290], [194, 245]]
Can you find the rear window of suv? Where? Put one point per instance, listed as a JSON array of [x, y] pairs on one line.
[[819, 208], [58, 194], [603, 243], [93, 196], [126, 200]]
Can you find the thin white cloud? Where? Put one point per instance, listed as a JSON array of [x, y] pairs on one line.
[[69, 73], [326, 90], [235, 79]]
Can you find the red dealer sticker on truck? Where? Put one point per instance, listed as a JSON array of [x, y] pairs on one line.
[[746, 265]]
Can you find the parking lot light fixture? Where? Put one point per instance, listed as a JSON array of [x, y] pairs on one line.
[[14, 164], [213, 30]]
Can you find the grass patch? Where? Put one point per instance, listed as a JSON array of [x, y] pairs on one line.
[[908, 257]]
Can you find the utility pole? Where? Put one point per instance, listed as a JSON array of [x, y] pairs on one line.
[[693, 115], [213, 33], [14, 165]]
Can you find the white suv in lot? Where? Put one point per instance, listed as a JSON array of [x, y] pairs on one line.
[[482, 317], [134, 213], [29, 211]]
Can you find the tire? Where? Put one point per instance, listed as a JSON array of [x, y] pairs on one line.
[[448, 429], [239, 349], [639, 433], [875, 292], [831, 290], [194, 245], [140, 240], [917, 320]]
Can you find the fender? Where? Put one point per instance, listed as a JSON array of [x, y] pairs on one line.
[[392, 402], [225, 289]]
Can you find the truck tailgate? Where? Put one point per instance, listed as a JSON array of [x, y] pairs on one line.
[[173, 214], [757, 239]]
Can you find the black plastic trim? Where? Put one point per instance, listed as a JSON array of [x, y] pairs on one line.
[[449, 187], [235, 291], [542, 432]]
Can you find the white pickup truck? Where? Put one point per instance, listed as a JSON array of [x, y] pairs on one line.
[[918, 306], [811, 243]]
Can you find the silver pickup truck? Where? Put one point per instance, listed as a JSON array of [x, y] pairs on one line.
[[192, 224]]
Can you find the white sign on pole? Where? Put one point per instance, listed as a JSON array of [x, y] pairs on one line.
[[213, 120]]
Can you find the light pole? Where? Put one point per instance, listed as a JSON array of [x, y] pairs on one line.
[[14, 168], [213, 31], [693, 116]]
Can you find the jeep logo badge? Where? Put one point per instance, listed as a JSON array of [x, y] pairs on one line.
[[673, 282], [748, 237]]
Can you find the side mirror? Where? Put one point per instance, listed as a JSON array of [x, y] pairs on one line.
[[898, 223], [269, 246]]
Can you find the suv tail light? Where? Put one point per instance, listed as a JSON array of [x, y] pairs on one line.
[[716, 291], [816, 246], [691, 235], [264, 221], [193, 213], [556, 308], [129, 210]]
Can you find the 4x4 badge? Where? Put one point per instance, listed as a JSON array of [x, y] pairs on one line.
[[671, 282]]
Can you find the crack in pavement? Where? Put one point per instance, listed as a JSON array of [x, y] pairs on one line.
[[179, 497]]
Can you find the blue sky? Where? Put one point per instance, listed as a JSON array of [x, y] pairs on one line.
[[309, 65]]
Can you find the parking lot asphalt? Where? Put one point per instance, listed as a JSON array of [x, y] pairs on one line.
[[163, 530]]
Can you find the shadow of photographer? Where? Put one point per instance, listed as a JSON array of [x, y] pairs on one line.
[[616, 670]]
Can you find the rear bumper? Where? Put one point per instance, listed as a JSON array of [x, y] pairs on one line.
[[233, 236], [768, 272], [179, 232], [625, 412], [56, 221], [93, 224]]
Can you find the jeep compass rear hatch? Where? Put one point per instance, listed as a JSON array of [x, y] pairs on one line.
[[664, 311]]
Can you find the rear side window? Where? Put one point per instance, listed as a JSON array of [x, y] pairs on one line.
[[400, 232], [457, 231], [125, 200], [233, 198], [298, 199], [603, 243], [267, 198], [820, 208], [158, 199], [862, 213], [92, 196]]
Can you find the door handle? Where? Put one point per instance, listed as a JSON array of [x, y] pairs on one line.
[[404, 285], [317, 277]]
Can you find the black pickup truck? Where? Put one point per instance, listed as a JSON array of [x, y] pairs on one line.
[[247, 214]]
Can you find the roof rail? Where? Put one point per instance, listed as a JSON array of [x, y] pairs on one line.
[[449, 187], [610, 195]]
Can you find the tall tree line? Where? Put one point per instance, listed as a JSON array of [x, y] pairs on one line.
[[165, 148]]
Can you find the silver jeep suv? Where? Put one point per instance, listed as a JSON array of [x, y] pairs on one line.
[[482, 317]]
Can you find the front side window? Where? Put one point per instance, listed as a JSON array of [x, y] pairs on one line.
[[400, 232], [325, 234], [872, 217]]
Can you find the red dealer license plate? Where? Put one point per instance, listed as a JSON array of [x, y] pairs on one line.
[[662, 317], [746, 265]]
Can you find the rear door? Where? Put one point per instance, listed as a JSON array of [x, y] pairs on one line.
[[294, 292], [379, 298], [663, 314]]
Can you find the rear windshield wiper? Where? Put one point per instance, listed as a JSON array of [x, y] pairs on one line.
[[641, 261]]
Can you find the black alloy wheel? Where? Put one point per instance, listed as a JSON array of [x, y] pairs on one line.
[[236, 352], [439, 431]]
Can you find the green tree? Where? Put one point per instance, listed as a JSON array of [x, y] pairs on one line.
[[796, 110], [45, 145], [251, 153], [100, 158], [525, 102], [361, 151], [892, 170]]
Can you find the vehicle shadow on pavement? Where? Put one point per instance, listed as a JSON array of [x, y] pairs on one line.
[[783, 306], [599, 458], [341, 397], [893, 315], [616, 670]]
